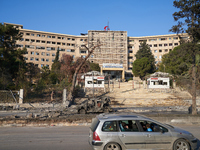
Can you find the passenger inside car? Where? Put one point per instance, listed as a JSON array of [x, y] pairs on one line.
[[148, 127], [143, 126], [123, 126]]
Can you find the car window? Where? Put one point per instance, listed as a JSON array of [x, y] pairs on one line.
[[94, 124], [128, 126], [110, 126], [149, 126]]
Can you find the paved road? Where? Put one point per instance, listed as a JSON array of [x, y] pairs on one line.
[[53, 138]]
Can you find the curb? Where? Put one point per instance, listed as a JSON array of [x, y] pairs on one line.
[[189, 120]]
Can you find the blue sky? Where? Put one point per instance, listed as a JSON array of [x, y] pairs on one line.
[[137, 17]]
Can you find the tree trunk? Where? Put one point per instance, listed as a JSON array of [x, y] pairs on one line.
[[70, 96], [194, 110]]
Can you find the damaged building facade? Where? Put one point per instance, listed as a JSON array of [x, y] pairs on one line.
[[115, 56]]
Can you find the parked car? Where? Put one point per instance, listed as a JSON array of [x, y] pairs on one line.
[[125, 131]]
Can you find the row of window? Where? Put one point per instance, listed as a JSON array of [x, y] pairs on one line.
[[132, 126], [157, 57], [42, 53], [42, 65], [160, 50], [43, 59], [49, 36], [160, 45], [155, 45], [160, 39], [48, 42], [47, 48], [163, 39]]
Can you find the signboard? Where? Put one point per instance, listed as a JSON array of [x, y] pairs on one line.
[[154, 78], [94, 77], [109, 65], [94, 81]]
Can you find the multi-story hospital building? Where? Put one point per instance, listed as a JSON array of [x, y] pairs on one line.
[[115, 55]]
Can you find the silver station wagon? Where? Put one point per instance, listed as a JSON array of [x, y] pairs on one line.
[[126, 131]]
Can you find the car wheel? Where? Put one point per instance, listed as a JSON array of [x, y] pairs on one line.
[[112, 146], [82, 111], [181, 145]]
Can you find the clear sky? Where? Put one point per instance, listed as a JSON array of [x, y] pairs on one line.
[[137, 17]]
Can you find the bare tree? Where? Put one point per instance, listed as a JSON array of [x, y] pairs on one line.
[[70, 96]]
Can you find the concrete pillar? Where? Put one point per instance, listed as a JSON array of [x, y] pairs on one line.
[[174, 84], [144, 84], [101, 70], [123, 74], [21, 93], [64, 95]]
